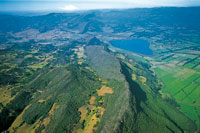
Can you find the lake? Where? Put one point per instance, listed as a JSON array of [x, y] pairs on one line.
[[135, 45]]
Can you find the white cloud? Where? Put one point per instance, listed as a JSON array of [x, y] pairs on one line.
[[74, 5], [69, 8], [147, 3]]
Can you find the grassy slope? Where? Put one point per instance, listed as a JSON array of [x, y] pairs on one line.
[[61, 86], [146, 108], [40, 88]]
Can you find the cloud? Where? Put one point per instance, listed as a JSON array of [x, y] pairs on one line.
[[74, 5], [69, 8], [148, 3]]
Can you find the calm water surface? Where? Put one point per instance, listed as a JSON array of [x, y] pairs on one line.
[[135, 45]]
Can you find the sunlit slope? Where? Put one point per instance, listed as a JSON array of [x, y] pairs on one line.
[[54, 97], [82, 88]]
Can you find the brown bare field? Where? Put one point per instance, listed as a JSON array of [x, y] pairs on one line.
[[46, 121], [104, 90], [18, 121], [83, 111], [103, 81], [90, 69], [92, 100], [25, 128], [5, 96], [53, 108], [142, 79], [41, 101], [93, 120], [133, 76], [90, 119], [80, 62], [131, 66], [101, 111], [90, 126]]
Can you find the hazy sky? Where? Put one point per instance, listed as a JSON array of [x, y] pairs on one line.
[[73, 5]]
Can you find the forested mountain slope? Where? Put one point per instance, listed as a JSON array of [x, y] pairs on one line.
[[60, 73]]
